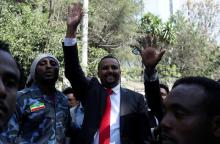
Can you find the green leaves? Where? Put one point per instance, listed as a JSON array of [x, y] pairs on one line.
[[162, 32], [190, 39], [37, 26], [25, 26], [195, 50], [111, 23]]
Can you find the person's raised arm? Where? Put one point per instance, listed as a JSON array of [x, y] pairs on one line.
[[73, 70], [151, 58]]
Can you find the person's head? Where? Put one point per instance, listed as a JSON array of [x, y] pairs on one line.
[[72, 101], [9, 82], [45, 69], [109, 71], [192, 112], [164, 91]]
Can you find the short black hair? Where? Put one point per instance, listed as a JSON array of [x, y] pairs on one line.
[[68, 90], [4, 46], [212, 91], [164, 87], [108, 56]]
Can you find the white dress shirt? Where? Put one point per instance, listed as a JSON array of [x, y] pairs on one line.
[[114, 118]]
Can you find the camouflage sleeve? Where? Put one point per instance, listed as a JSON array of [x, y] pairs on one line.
[[11, 132]]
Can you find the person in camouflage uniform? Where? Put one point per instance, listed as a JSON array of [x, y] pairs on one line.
[[42, 115]]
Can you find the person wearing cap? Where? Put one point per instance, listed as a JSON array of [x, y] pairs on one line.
[[42, 114]]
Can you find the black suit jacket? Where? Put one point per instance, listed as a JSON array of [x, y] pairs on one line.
[[155, 101], [134, 126]]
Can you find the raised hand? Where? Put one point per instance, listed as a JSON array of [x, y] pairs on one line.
[[75, 14], [151, 58]]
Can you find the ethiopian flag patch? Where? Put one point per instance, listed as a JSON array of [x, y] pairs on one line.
[[37, 106]]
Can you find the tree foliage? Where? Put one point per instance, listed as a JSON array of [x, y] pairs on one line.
[[190, 39], [25, 27], [195, 51], [204, 15], [163, 33], [112, 22], [33, 27]]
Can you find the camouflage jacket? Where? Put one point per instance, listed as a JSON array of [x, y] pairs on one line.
[[38, 118]]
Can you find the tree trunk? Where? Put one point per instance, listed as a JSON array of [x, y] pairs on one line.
[[85, 36]]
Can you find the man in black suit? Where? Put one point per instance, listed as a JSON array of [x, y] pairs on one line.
[[128, 122]]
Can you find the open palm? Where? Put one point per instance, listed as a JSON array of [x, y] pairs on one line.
[[150, 56], [75, 14]]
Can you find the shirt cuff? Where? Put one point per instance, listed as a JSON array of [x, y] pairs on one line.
[[153, 77], [69, 41]]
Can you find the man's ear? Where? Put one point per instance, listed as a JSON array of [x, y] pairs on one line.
[[216, 126]]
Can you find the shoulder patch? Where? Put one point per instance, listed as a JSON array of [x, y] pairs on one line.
[[37, 106]]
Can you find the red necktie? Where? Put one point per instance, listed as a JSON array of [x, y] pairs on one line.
[[104, 129]]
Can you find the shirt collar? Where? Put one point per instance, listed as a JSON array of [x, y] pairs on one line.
[[116, 89]]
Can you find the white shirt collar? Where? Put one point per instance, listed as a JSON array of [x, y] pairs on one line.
[[116, 89]]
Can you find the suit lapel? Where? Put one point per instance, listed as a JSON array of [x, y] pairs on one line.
[[122, 108], [102, 99]]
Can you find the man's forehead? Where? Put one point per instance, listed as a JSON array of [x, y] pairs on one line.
[[48, 58], [109, 60], [186, 96]]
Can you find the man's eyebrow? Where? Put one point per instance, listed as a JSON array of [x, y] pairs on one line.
[[179, 107], [43, 60], [12, 75], [53, 61]]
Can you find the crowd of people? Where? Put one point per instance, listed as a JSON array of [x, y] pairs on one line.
[[99, 110]]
